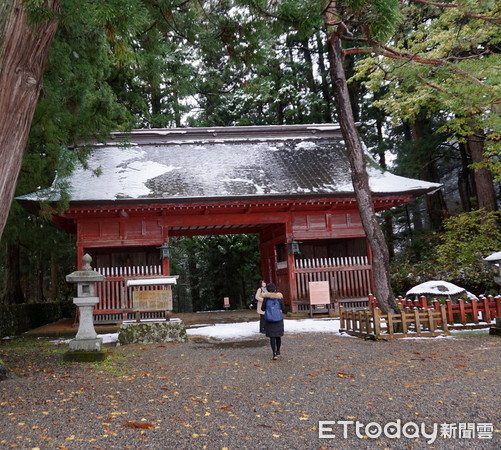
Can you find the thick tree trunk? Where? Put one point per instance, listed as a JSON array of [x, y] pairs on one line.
[[326, 93], [466, 180], [23, 55], [435, 203], [12, 293], [316, 112], [360, 178], [54, 278], [483, 177]]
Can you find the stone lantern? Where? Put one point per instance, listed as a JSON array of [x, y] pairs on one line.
[[86, 339], [495, 258]]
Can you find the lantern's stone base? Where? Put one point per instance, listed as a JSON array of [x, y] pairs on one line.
[[82, 356], [86, 345], [149, 332]]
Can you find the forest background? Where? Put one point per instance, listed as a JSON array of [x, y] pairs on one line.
[[427, 99]]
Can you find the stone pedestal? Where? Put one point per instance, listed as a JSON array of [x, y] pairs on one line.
[[86, 338], [149, 332], [86, 346]]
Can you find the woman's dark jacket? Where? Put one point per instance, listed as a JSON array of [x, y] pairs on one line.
[[273, 329]]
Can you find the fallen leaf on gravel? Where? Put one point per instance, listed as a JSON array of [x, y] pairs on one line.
[[345, 375], [145, 425]]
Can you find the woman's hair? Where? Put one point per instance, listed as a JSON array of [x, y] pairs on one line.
[[270, 287]]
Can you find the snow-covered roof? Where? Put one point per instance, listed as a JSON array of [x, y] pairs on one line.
[[218, 163]]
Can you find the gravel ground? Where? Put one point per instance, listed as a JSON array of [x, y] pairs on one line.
[[212, 394]]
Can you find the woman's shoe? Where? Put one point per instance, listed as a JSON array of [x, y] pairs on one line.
[[275, 357]]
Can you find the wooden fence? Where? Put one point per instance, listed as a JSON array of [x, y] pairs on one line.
[[349, 279], [484, 310], [408, 323], [115, 298]]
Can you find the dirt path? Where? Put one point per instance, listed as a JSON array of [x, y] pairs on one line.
[[210, 394]]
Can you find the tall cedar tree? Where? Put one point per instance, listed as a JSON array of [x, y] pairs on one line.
[[336, 21], [24, 50]]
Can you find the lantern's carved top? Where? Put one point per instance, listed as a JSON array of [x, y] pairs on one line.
[[86, 275]]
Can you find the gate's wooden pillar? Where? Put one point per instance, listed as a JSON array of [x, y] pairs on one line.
[[291, 263], [165, 261]]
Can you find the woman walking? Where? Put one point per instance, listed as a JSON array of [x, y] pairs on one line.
[[259, 298], [273, 307]]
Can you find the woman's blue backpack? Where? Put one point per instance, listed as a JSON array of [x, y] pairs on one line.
[[273, 312]]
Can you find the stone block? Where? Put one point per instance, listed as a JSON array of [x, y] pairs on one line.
[[149, 332], [85, 345]]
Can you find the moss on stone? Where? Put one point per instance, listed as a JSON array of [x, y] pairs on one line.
[[152, 332], [80, 356]]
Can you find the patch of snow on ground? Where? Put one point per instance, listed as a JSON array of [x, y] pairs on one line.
[[251, 329]]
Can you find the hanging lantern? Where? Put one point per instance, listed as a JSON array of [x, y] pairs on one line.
[[164, 251], [294, 247]]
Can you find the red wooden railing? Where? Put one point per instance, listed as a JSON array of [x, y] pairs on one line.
[[115, 298], [485, 309]]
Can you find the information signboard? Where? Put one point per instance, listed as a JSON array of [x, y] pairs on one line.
[[319, 292], [153, 300]]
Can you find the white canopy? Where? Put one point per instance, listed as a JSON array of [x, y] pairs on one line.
[[494, 257], [439, 288]]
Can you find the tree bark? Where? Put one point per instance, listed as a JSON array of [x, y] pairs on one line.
[[12, 293], [435, 203], [466, 180], [360, 178], [54, 278], [326, 94], [24, 52], [483, 177]]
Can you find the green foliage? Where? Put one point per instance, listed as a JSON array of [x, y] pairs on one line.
[[218, 267], [445, 61], [468, 238], [415, 264], [456, 255], [377, 18]]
